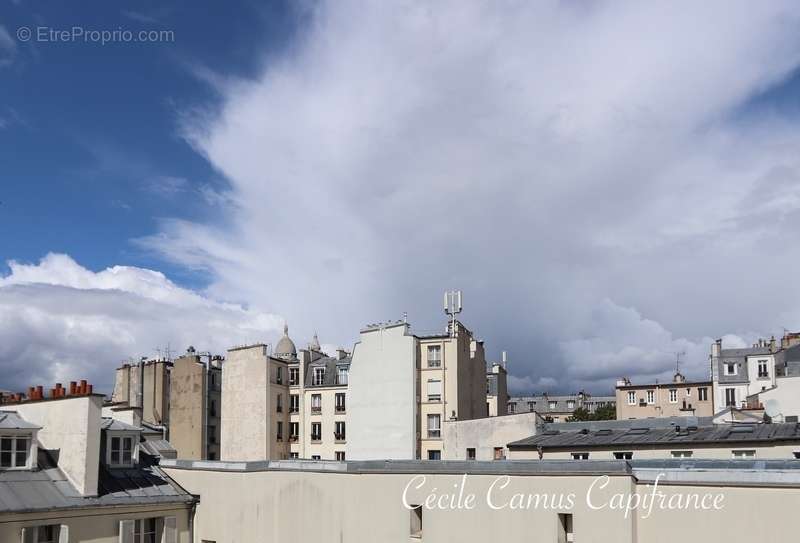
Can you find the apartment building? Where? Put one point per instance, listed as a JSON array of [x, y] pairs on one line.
[[146, 385], [317, 399], [558, 408], [663, 438], [254, 418], [497, 389], [195, 402], [418, 382], [676, 399], [741, 372], [68, 474]]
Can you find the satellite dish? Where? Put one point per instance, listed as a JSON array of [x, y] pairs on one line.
[[772, 408]]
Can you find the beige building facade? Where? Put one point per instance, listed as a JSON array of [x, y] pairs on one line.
[[145, 385], [680, 398], [539, 502], [497, 390], [195, 400], [254, 419]]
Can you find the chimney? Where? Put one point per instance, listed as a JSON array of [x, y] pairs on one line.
[[73, 388], [716, 349]]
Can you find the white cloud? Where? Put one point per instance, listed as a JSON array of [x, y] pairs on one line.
[[61, 322], [582, 170]]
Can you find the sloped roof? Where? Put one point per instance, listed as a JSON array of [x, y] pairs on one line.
[[642, 435], [10, 420], [49, 489], [115, 425]]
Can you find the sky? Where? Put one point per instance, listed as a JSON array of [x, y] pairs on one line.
[[609, 183]]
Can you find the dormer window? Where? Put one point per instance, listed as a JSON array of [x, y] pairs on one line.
[[319, 376], [15, 451], [121, 451]]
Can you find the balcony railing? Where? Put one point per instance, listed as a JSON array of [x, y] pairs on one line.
[[434, 433], [317, 409], [292, 439], [340, 409], [294, 410]]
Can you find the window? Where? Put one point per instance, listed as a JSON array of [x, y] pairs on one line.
[[730, 368], [434, 356], [212, 434], [681, 454], [434, 455], [531, 406], [294, 403], [580, 456], [294, 376], [499, 453], [470, 453], [145, 530], [279, 375], [512, 407], [279, 403], [319, 376], [339, 432], [212, 408], [623, 455], [14, 451], [316, 457], [762, 369], [294, 430], [316, 403], [340, 456], [121, 451], [279, 433], [415, 529], [673, 395], [434, 390], [702, 394], [340, 404], [341, 376], [730, 397], [552, 404], [565, 530], [631, 397], [434, 425], [651, 396], [316, 431], [50, 533], [294, 455], [744, 453], [570, 404], [212, 456]]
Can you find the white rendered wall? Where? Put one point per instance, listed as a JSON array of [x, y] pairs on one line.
[[245, 417], [382, 407], [484, 435], [71, 425]]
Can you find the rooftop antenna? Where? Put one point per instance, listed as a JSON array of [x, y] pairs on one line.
[[452, 307], [678, 356]]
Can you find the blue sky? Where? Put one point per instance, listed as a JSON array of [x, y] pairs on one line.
[[609, 183], [92, 130]]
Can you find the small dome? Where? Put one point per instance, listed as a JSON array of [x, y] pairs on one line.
[[285, 348], [314, 345]]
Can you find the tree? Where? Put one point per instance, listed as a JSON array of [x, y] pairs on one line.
[[606, 412]]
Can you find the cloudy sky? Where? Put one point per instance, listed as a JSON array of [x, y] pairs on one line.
[[609, 183]]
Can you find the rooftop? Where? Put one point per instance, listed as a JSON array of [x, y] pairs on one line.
[[777, 473], [10, 420], [642, 435], [47, 488]]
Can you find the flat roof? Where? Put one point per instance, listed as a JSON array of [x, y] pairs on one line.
[[759, 473]]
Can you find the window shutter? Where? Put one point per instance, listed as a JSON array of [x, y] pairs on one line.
[[434, 388], [126, 531], [27, 535], [170, 534], [63, 534]]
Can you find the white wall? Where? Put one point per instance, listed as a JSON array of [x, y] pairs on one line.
[[784, 399], [382, 408], [246, 418], [485, 434], [71, 425]]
